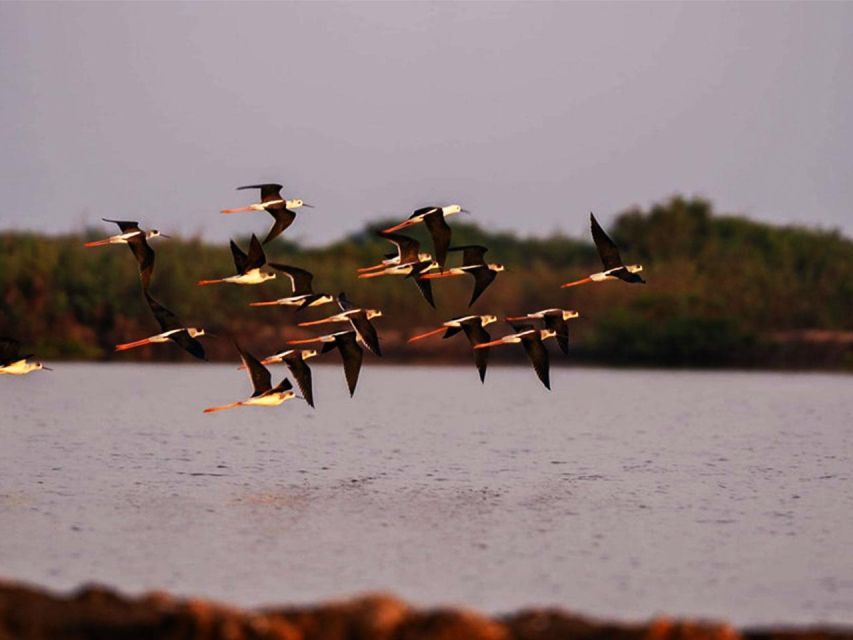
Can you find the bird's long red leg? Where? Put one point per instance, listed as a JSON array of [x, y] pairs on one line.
[[306, 341], [397, 227], [493, 343], [575, 283], [375, 267], [265, 303], [439, 274], [223, 407], [97, 243], [426, 335], [312, 323], [132, 345], [203, 283], [238, 210], [372, 274], [514, 318]]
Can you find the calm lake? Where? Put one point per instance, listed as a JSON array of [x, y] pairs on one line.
[[620, 493]]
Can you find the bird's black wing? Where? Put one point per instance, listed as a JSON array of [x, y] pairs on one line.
[[424, 286], [258, 373], [189, 344], [606, 247], [627, 276], [451, 331], [440, 232], [240, 258], [302, 373], [561, 327], [352, 355], [284, 385], [518, 327], [345, 303], [284, 217], [366, 331], [471, 254], [483, 277], [144, 255], [477, 334], [407, 248], [300, 278], [538, 355], [269, 191], [167, 320], [9, 351], [126, 226], [256, 258]]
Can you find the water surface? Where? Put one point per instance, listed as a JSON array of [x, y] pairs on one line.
[[620, 493]]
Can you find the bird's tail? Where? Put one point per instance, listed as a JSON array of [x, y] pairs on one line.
[[223, 407], [575, 283], [203, 283], [427, 334], [132, 345]]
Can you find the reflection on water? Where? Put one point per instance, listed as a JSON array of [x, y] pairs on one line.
[[620, 493]]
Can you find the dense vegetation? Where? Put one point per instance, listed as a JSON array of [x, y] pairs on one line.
[[722, 290]]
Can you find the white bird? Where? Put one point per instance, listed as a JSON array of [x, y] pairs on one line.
[[12, 363]]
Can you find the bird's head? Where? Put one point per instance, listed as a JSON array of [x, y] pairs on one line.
[[634, 268], [195, 333], [547, 333], [288, 395], [39, 366], [308, 353], [267, 276], [497, 267], [373, 313], [568, 314], [154, 233], [484, 320], [296, 204], [450, 209]]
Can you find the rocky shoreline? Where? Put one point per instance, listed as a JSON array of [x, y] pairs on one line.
[[27, 613]]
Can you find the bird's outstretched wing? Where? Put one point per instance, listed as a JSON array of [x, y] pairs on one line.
[[9, 351], [302, 373], [345, 303], [126, 226], [189, 344], [167, 320], [561, 327], [240, 258], [284, 217], [144, 255], [258, 373], [284, 385], [440, 232], [352, 355], [424, 286], [366, 331], [606, 247], [471, 254], [407, 248], [300, 278], [483, 277], [269, 191], [256, 258], [538, 355], [477, 334]]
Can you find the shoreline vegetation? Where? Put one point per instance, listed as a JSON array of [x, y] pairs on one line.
[[28, 613], [723, 291]]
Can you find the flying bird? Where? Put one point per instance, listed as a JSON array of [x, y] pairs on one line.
[[295, 361], [303, 293], [474, 328], [474, 264], [554, 319], [136, 239], [265, 394], [531, 339], [346, 343], [171, 329], [273, 203], [408, 252], [613, 266], [435, 220], [359, 320], [13, 363], [248, 266]]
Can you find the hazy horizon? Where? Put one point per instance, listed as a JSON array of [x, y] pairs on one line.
[[531, 115]]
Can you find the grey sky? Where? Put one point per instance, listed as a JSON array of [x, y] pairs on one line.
[[529, 114]]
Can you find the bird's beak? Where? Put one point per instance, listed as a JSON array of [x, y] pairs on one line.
[[163, 235], [465, 211], [44, 368], [305, 204]]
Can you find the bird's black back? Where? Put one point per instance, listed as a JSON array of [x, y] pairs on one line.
[[284, 217], [366, 331], [126, 226], [10, 350], [302, 373], [188, 344], [345, 303], [483, 277], [424, 286], [606, 247], [440, 232], [256, 258], [471, 254], [477, 334], [258, 373], [144, 255], [300, 278], [407, 248], [538, 355], [351, 354]]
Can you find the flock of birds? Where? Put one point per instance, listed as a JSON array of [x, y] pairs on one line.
[[408, 261]]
